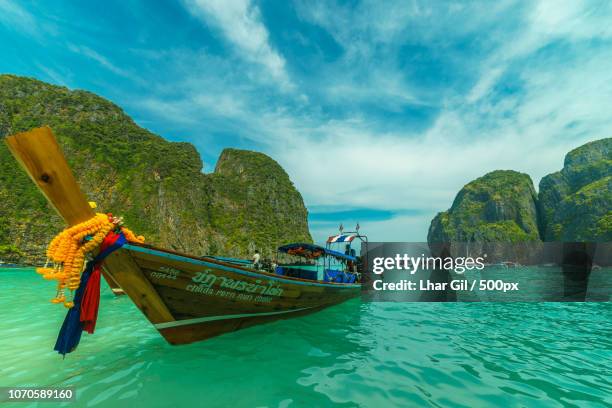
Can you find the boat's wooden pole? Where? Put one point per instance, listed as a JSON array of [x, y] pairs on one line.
[[41, 157], [39, 154]]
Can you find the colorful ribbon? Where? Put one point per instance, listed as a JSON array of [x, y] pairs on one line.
[[84, 314]]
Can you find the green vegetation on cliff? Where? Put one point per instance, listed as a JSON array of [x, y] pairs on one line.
[[158, 186], [500, 206], [575, 203]]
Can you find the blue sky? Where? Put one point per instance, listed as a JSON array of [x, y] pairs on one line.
[[379, 111]]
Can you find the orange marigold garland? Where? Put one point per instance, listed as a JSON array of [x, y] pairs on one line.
[[67, 251]]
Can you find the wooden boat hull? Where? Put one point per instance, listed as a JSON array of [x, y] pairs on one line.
[[207, 297]]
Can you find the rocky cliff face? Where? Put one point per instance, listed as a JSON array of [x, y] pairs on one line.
[[573, 205], [500, 206], [253, 202], [158, 186], [576, 203]]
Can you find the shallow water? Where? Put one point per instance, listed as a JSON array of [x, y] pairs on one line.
[[354, 354]]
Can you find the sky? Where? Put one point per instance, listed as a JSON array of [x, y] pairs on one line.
[[378, 111]]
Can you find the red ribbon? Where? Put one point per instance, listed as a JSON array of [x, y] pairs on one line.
[[91, 295]]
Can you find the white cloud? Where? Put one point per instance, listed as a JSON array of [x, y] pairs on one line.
[[14, 16], [100, 59], [547, 21], [484, 85], [54, 75], [572, 19], [241, 24], [171, 110]]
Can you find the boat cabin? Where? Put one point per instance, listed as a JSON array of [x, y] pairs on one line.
[[327, 264]]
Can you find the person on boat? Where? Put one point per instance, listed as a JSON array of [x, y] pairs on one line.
[[256, 260]]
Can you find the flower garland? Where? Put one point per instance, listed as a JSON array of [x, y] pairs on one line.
[[68, 250]]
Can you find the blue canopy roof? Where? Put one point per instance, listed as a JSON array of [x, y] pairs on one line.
[[313, 251]]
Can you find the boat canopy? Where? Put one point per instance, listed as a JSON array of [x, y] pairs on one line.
[[312, 251], [341, 238]]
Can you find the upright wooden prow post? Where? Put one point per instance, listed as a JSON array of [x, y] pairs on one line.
[[39, 154]]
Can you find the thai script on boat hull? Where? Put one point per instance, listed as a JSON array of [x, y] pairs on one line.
[[165, 272], [206, 279]]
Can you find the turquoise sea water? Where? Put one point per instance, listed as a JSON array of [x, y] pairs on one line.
[[354, 354]]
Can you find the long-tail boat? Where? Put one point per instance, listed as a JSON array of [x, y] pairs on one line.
[[187, 298]]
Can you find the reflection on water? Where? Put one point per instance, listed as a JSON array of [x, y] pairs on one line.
[[354, 354]]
